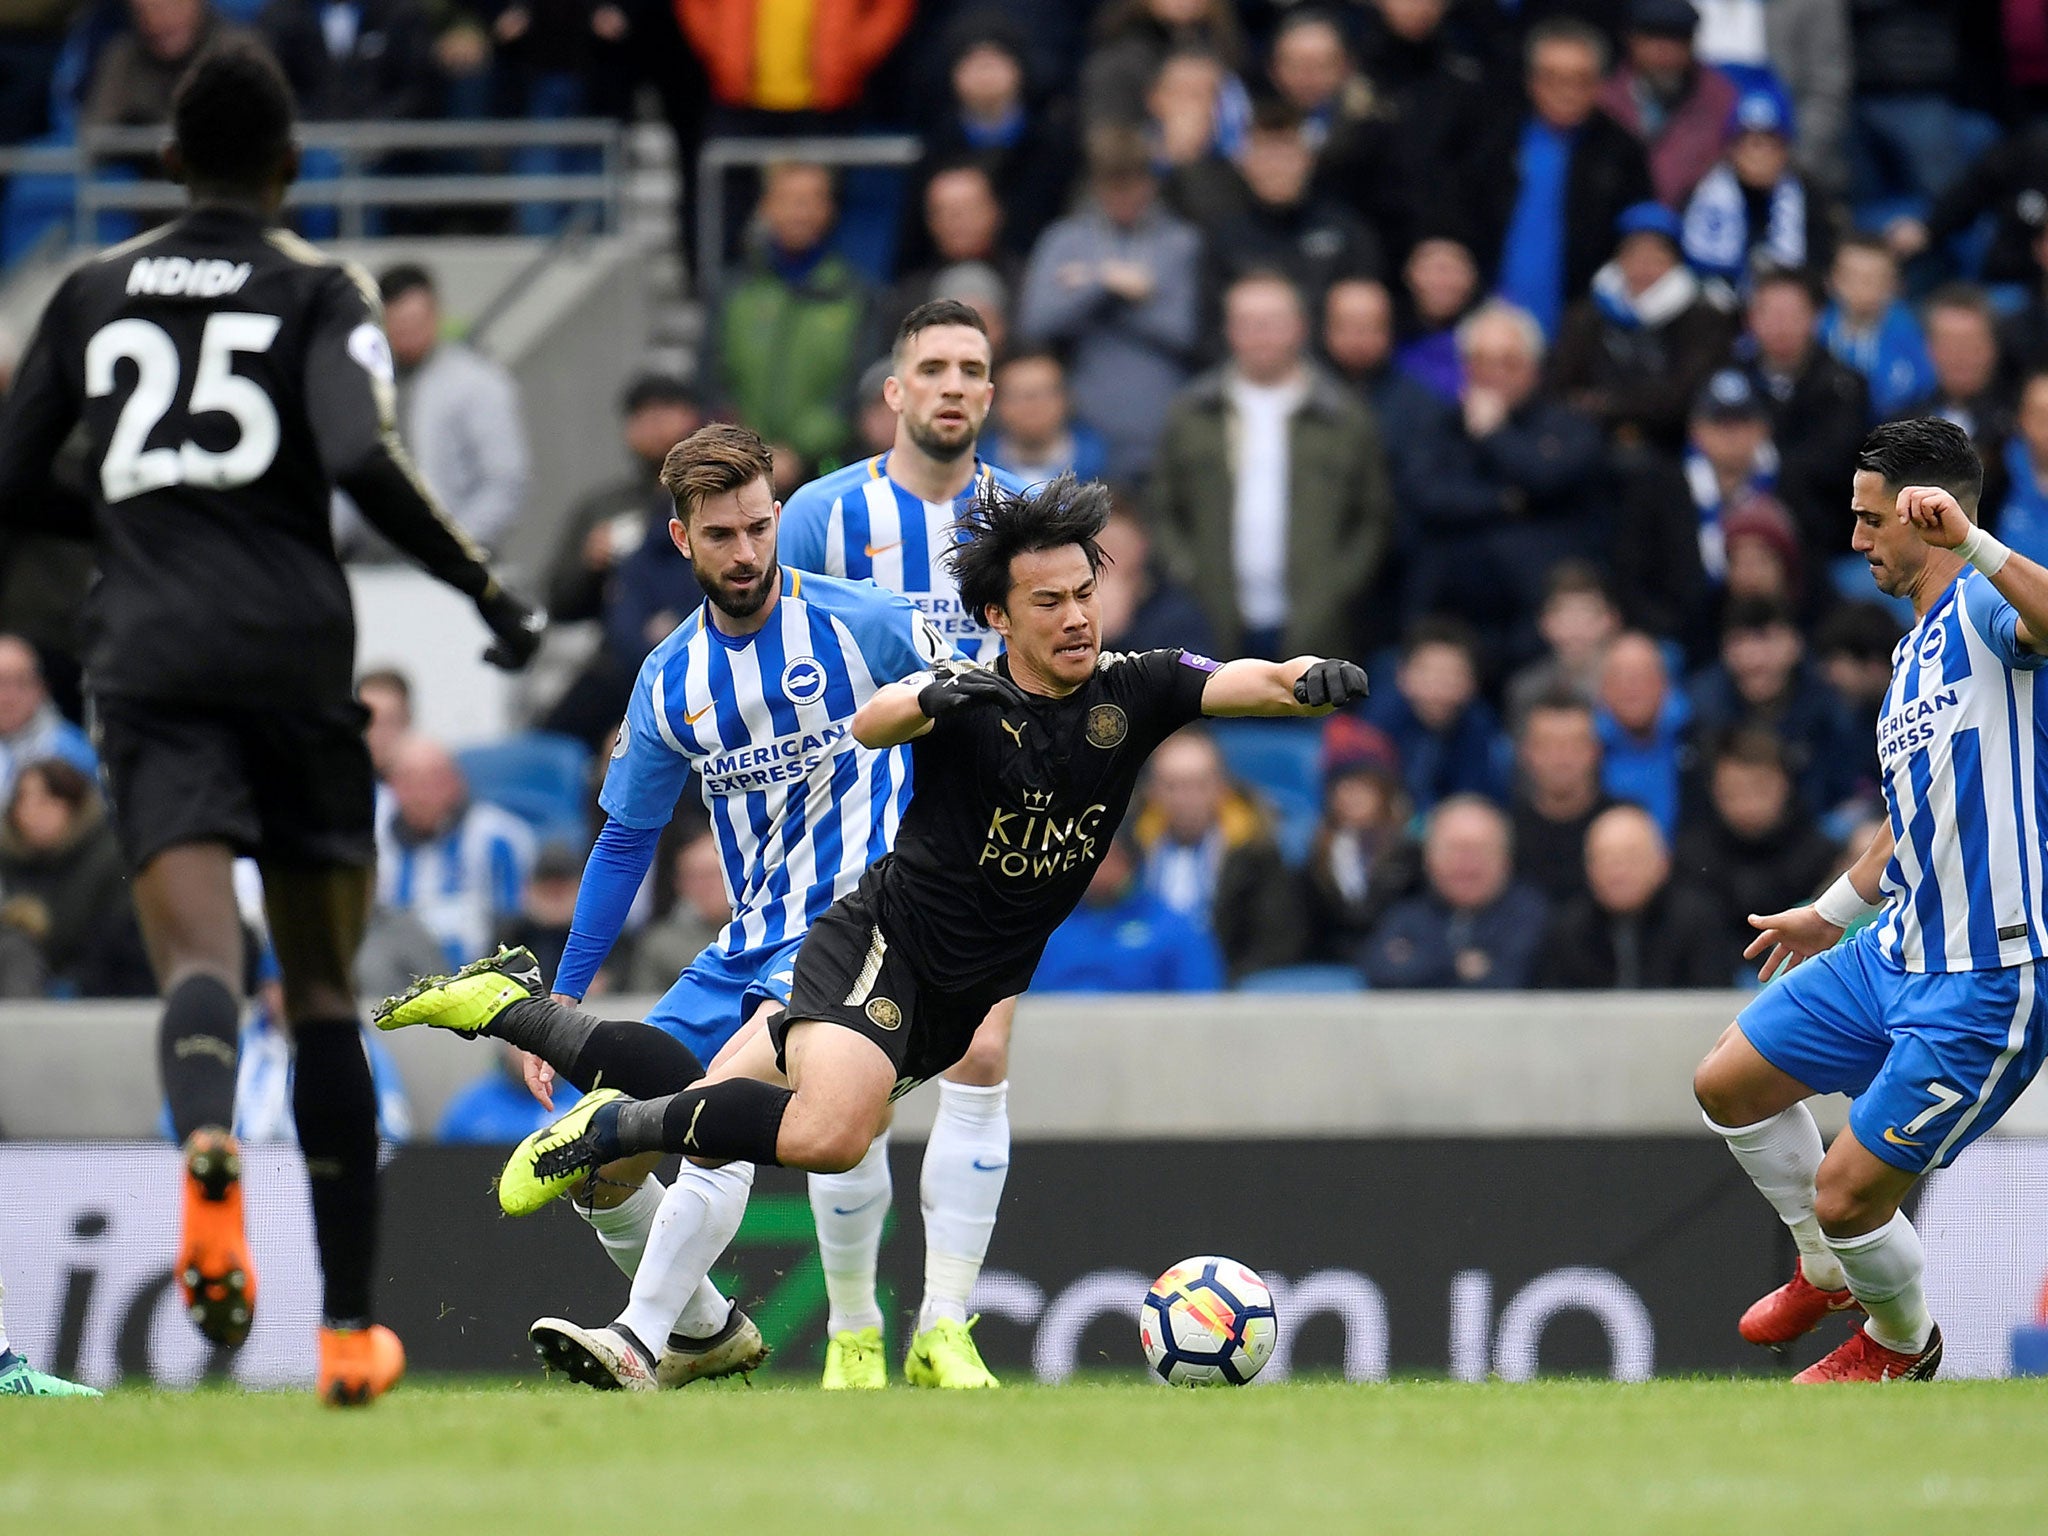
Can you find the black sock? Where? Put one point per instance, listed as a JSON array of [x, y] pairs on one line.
[[196, 1050], [738, 1118], [335, 1104], [637, 1059]]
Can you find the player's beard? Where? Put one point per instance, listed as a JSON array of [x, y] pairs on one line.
[[740, 605], [938, 447]]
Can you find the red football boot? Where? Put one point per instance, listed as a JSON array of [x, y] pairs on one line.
[[1864, 1359], [215, 1275], [1793, 1310]]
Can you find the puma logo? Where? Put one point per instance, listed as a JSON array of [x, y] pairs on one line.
[[690, 1135], [883, 549], [690, 718], [1016, 733]]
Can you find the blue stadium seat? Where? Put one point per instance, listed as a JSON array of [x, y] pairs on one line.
[[540, 777], [1304, 978], [1282, 759]]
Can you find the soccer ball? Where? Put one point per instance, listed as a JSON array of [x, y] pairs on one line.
[[1207, 1322]]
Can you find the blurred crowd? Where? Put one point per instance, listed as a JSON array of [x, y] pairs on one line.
[[1520, 348]]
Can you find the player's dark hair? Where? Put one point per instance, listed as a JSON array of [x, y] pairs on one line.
[[712, 460], [1927, 451], [1000, 525], [231, 116], [934, 312], [407, 277]]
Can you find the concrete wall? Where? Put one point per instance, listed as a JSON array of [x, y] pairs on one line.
[[1389, 1064]]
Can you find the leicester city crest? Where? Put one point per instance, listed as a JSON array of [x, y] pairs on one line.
[[1107, 726]]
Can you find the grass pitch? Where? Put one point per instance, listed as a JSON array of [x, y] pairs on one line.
[[1585, 1458]]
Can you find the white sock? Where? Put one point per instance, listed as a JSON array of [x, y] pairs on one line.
[[1782, 1157], [850, 1210], [4, 1345], [623, 1229], [699, 1215], [704, 1313], [1884, 1269], [965, 1164]]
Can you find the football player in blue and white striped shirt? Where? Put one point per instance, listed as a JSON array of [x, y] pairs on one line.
[[1932, 1017], [892, 518]]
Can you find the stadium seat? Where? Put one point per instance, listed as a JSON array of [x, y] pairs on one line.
[[538, 776], [1282, 759], [1304, 978]]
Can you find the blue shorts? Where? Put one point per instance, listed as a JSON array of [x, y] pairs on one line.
[[1932, 1060], [719, 991]]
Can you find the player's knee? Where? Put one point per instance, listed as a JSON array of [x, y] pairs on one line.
[[1715, 1095], [828, 1149], [1846, 1207], [987, 1061]]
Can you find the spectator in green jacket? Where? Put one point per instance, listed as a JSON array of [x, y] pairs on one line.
[[1269, 491], [792, 326]]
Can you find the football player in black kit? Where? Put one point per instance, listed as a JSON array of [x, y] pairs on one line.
[[227, 377], [1023, 773]]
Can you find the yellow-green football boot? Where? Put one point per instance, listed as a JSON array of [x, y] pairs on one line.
[[467, 1001], [553, 1160], [854, 1361], [944, 1356]]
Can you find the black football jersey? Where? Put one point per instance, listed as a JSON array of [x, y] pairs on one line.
[[1013, 807], [226, 376]]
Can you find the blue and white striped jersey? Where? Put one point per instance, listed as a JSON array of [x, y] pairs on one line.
[[858, 522], [1961, 744], [799, 808]]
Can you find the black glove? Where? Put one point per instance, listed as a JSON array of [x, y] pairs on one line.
[[962, 687], [1331, 682], [516, 623]]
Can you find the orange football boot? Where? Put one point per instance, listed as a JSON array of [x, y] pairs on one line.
[[1864, 1359], [358, 1365], [215, 1274], [1793, 1310]]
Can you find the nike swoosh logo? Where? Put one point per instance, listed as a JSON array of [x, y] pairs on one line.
[[1897, 1140], [840, 1210], [692, 719], [882, 549], [990, 1167]]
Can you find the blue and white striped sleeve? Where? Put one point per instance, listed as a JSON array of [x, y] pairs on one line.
[[800, 542], [897, 641], [1997, 624], [647, 773]]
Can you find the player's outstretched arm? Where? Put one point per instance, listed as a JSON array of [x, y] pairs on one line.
[[1307, 685], [904, 711], [1799, 933], [2020, 581]]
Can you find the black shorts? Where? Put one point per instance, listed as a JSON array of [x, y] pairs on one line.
[[289, 786], [848, 973]]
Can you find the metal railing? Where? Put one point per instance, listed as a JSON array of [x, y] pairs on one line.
[[719, 156], [357, 186]]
